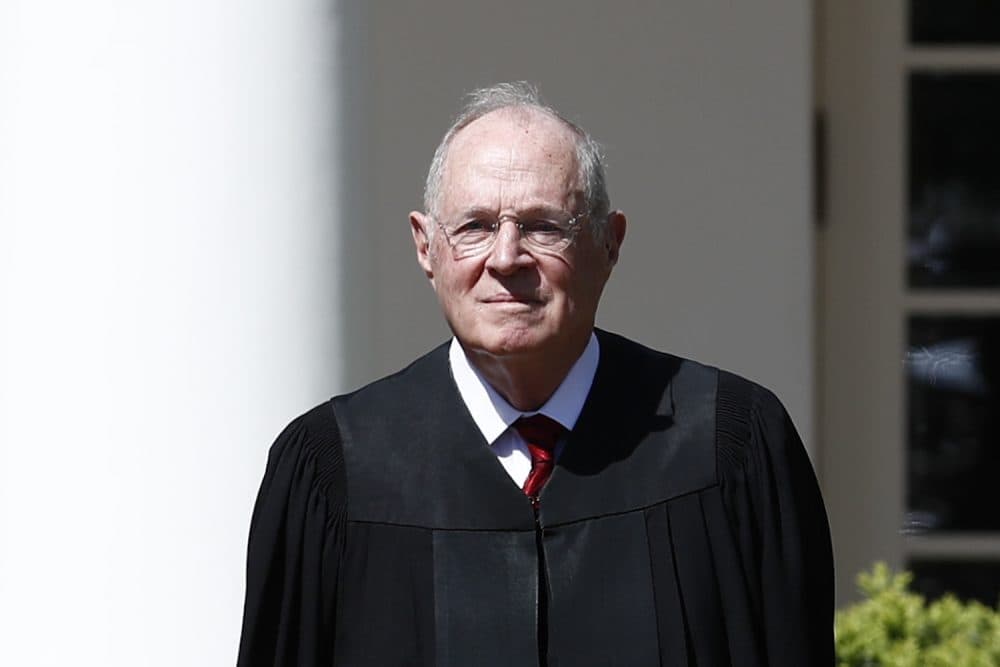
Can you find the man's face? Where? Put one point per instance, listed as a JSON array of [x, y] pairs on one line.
[[515, 163]]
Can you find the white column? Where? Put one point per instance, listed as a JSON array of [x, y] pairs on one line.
[[170, 275]]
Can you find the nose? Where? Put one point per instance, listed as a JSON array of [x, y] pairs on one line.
[[507, 254]]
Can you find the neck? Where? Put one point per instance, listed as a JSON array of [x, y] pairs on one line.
[[526, 380]]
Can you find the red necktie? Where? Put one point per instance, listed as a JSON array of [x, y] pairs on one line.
[[541, 434]]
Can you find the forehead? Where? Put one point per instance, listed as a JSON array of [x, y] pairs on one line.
[[511, 154]]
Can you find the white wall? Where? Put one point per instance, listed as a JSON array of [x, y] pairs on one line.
[[168, 300], [704, 108]]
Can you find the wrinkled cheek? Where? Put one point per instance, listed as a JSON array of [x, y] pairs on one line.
[[460, 311]]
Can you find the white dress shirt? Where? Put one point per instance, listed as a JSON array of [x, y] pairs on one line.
[[494, 415]]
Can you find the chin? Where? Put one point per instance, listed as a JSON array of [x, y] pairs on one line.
[[513, 342]]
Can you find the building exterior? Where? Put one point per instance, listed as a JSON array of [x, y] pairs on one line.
[[205, 233]]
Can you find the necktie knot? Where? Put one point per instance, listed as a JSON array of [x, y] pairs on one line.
[[540, 433]]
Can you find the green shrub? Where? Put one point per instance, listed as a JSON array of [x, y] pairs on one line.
[[895, 627]]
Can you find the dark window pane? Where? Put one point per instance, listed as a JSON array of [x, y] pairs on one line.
[[968, 580], [953, 413], [954, 21], [954, 180]]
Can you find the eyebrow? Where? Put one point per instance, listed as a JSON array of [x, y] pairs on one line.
[[540, 209]]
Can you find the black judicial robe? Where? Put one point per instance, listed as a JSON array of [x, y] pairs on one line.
[[682, 526]]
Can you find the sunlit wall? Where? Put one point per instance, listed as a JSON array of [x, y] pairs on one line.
[[704, 108]]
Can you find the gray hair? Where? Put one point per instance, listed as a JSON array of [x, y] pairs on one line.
[[521, 94]]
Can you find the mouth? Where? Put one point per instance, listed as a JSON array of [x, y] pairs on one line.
[[512, 299]]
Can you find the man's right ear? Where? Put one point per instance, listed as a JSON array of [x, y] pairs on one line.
[[420, 227]]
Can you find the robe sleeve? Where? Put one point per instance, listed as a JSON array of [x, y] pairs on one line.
[[295, 547], [778, 517]]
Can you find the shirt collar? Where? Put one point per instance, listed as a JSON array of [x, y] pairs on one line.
[[491, 411]]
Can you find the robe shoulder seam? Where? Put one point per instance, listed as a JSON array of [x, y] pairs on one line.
[[322, 442], [737, 405]]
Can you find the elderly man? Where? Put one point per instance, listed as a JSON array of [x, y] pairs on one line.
[[536, 492]]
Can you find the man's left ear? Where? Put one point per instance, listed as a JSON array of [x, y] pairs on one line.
[[615, 235]]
